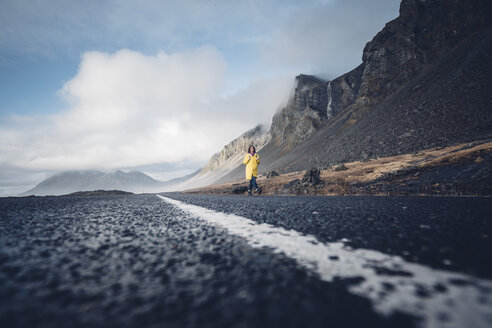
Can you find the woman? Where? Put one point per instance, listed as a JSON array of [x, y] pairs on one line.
[[252, 160]]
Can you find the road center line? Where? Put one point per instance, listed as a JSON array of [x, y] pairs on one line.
[[440, 298]]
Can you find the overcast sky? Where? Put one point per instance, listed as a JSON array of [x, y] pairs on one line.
[[158, 86]]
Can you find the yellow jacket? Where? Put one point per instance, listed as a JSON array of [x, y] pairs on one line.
[[251, 163]]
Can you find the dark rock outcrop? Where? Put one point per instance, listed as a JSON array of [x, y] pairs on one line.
[[340, 167], [292, 187], [424, 31], [239, 190], [311, 177], [302, 116], [310, 184], [343, 91], [272, 174]]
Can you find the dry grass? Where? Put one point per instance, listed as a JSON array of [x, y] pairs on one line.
[[336, 182]]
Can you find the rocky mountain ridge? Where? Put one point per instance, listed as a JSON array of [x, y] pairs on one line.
[[313, 103], [306, 109], [258, 136], [446, 104], [227, 160], [406, 95]]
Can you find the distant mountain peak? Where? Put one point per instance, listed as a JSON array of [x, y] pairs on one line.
[[305, 82], [88, 180]]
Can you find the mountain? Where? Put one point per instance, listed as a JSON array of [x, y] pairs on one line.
[[223, 162], [424, 82], [447, 103], [258, 136], [305, 110], [73, 181]]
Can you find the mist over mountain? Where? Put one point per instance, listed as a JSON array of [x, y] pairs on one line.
[[227, 159], [73, 181]]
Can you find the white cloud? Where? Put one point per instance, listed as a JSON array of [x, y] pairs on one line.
[[127, 109]]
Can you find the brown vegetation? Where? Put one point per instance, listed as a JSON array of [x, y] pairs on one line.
[[434, 171]]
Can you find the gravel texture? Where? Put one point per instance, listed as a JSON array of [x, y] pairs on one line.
[[450, 233], [135, 261]]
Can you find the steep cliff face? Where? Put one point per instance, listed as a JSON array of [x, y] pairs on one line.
[[306, 109], [313, 102], [343, 91], [424, 31], [258, 136], [448, 103]]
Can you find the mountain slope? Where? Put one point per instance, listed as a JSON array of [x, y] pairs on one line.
[[423, 83], [448, 103], [227, 160]]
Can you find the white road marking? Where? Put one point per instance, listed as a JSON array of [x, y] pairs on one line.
[[447, 299]]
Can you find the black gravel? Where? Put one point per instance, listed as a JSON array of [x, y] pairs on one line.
[[450, 233], [135, 261]]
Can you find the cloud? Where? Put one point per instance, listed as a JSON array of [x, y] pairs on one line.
[[256, 103], [134, 108], [50, 27], [327, 37], [123, 90], [127, 109]]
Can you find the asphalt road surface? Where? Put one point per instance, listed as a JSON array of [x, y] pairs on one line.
[[218, 261]]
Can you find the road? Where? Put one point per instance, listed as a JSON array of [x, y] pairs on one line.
[[218, 261]]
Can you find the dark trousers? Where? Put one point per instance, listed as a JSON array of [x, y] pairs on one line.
[[252, 183]]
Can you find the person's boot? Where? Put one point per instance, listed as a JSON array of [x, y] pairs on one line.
[[258, 191], [250, 193]]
